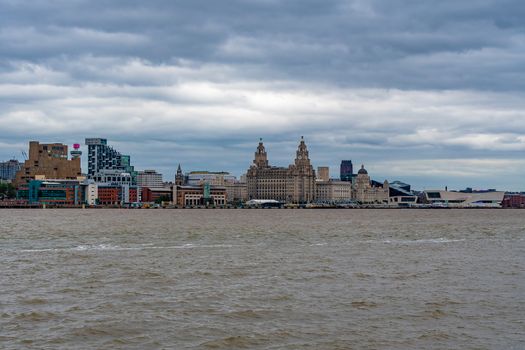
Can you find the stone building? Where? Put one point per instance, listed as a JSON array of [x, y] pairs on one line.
[[294, 184], [366, 193], [48, 160], [236, 191], [323, 173], [188, 196], [333, 191]]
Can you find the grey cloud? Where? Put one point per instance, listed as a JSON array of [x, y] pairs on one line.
[[198, 82], [403, 44]]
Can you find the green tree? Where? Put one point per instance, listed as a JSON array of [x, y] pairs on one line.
[[7, 191]]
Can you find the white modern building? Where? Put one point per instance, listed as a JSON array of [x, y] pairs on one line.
[[452, 199]]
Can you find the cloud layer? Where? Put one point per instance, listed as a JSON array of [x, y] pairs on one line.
[[428, 93]]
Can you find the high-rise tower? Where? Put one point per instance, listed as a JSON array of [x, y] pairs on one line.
[[346, 170], [105, 162]]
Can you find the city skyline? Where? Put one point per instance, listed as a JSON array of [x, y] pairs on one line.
[[432, 95]]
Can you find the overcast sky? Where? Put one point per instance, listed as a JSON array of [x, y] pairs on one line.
[[428, 92]]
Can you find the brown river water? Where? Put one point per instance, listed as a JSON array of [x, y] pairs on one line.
[[262, 279]]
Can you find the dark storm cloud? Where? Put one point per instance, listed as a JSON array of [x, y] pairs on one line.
[[397, 44]]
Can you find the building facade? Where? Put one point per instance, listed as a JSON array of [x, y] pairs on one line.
[[514, 200], [57, 192], [149, 178], [9, 169], [236, 191], [214, 178], [189, 196], [114, 194], [481, 199], [294, 184], [152, 194], [49, 160], [323, 173], [333, 191], [367, 193], [104, 159], [346, 170]]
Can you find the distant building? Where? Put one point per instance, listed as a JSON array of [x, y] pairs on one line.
[[57, 192], [104, 160], [484, 199], [204, 193], [188, 196], [368, 193], [116, 194], [218, 178], [401, 195], [179, 177], [333, 191], [514, 200], [9, 169], [236, 191], [294, 184], [149, 178], [323, 173], [346, 171], [152, 194], [112, 172], [48, 160]]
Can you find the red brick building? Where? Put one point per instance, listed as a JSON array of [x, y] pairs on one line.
[[514, 200], [153, 194]]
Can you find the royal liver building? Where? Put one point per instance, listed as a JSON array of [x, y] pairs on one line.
[[294, 184]]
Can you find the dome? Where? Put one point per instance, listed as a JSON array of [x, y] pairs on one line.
[[362, 170]]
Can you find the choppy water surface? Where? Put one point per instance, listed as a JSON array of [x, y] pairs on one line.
[[262, 279]]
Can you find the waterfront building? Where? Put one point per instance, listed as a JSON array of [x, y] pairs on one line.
[[333, 191], [116, 194], [481, 199], [188, 196], [49, 160], [400, 195], [57, 192], [366, 192], [149, 178], [294, 184], [346, 170], [514, 200], [214, 178], [323, 173], [104, 160], [9, 169], [152, 194], [202, 193], [236, 191]]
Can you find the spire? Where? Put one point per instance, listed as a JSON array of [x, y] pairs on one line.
[[179, 179]]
